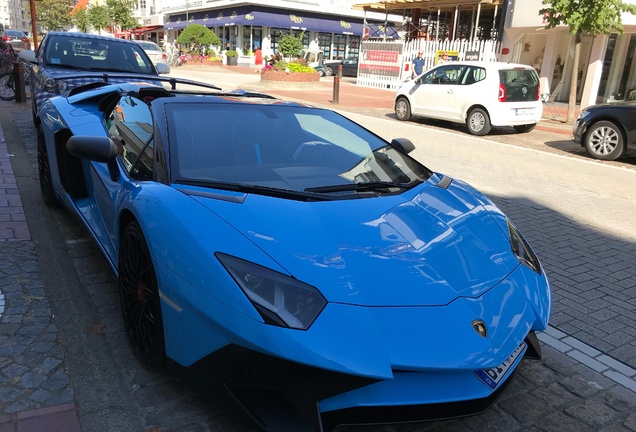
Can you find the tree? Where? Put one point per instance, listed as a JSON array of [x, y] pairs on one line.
[[98, 17], [80, 20], [591, 17], [120, 13], [290, 45], [196, 35], [53, 15]]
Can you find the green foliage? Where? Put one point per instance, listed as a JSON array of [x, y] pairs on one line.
[[290, 45], [586, 16], [80, 20], [196, 35], [53, 15], [98, 17], [299, 67], [120, 13], [231, 53]]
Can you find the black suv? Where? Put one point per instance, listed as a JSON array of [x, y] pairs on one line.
[[65, 61]]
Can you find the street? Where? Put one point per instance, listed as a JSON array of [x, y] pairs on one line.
[[577, 213]]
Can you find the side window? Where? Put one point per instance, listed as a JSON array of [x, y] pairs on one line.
[[473, 74], [130, 126], [447, 74]]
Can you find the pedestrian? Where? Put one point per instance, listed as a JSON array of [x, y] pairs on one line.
[[443, 59], [418, 65], [258, 59]]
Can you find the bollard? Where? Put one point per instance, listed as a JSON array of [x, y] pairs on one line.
[[18, 82], [336, 85]]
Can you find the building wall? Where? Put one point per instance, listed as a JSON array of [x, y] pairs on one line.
[[14, 15]]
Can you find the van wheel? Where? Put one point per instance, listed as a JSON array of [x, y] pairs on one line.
[[403, 109], [478, 122], [525, 128]]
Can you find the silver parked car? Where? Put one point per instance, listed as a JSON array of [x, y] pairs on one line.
[[153, 50]]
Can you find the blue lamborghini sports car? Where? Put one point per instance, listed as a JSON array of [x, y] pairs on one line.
[[322, 274]]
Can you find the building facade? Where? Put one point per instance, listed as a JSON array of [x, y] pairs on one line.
[[14, 15], [330, 26], [607, 67]]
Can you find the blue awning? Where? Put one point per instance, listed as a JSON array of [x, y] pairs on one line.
[[256, 16]]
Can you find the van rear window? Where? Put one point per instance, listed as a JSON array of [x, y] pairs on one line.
[[520, 84]]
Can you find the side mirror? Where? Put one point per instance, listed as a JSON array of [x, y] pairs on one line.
[[162, 68], [96, 149], [27, 56], [403, 144]]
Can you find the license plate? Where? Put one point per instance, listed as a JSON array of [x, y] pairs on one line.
[[492, 377], [523, 111]]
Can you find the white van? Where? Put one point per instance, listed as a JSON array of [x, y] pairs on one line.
[[479, 94]]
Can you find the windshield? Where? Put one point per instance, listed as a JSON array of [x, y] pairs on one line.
[[148, 46], [283, 147], [96, 54]]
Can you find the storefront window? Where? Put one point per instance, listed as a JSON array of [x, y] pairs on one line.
[[618, 79], [339, 46], [324, 42], [276, 34], [354, 46]]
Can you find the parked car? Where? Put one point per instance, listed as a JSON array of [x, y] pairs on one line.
[[18, 40], [349, 67], [479, 94], [323, 269], [607, 131], [65, 61], [156, 54]]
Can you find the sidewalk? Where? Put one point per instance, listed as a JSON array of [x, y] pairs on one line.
[[35, 391]]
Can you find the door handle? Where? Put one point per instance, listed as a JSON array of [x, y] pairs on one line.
[[450, 91]]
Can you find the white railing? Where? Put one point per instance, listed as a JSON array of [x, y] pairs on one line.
[[388, 64]]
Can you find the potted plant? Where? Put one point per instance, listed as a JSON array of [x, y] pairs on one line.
[[232, 57]]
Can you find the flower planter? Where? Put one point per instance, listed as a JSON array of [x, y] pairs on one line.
[[232, 61], [289, 77]]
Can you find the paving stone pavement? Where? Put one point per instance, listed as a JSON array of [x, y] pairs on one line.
[[558, 393]]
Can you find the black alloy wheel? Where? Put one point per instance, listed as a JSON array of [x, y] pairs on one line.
[[44, 172], [139, 296]]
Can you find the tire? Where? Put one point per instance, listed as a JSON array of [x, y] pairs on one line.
[[478, 122], [44, 173], [139, 297], [525, 128], [403, 109], [321, 72], [604, 140], [33, 112], [7, 86], [328, 71]]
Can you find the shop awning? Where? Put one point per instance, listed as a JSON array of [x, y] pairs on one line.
[[141, 30], [257, 16]]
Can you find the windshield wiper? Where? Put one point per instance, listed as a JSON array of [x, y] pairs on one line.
[[247, 188], [367, 186]]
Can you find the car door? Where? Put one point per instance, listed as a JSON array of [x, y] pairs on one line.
[[434, 92], [350, 67], [130, 125]]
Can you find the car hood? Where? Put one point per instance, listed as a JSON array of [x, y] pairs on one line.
[[66, 73], [427, 246]]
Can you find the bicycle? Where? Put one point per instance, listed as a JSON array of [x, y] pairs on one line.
[[7, 83]]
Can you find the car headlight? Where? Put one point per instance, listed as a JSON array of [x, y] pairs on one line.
[[279, 299], [583, 114], [522, 250]]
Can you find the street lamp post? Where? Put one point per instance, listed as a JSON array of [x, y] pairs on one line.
[[186, 13]]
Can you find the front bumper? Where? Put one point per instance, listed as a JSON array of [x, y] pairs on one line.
[[284, 395], [578, 131]]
